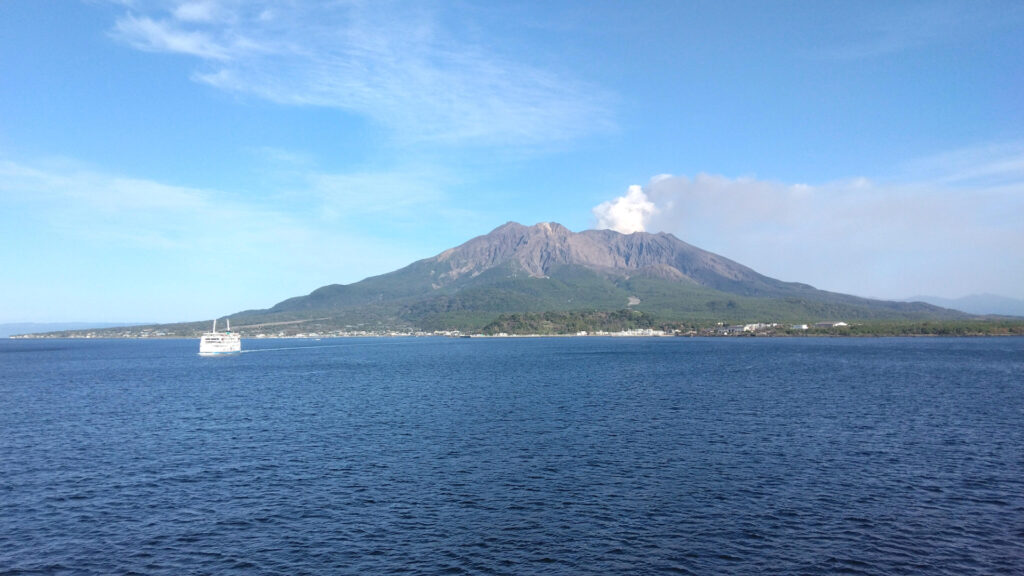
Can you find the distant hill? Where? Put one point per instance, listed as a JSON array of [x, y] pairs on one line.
[[16, 328], [547, 267], [978, 304]]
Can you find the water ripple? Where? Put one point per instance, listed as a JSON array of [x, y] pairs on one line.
[[558, 456]]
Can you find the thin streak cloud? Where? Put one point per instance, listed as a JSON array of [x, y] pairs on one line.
[[160, 36], [163, 236], [901, 27], [402, 68]]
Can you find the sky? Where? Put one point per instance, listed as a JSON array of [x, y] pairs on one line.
[[167, 160]]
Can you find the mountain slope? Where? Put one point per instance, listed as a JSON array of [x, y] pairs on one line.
[[547, 267]]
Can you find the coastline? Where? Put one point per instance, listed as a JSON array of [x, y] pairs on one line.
[[515, 336]]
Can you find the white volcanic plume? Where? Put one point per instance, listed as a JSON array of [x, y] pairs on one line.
[[626, 214]]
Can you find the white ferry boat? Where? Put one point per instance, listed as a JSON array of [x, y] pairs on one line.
[[219, 343]]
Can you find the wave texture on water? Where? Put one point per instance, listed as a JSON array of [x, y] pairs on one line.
[[551, 456]]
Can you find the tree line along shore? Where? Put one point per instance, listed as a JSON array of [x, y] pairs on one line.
[[581, 323]]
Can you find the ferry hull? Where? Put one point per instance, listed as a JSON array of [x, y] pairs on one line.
[[220, 343], [226, 353]]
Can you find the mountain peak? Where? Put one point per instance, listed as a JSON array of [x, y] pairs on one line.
[[543, 247], [516, 268], [540, 227]]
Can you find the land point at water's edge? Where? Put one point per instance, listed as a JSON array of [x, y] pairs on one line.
[[547, 280]]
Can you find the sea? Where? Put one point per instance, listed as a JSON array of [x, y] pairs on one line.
[[513, 456]]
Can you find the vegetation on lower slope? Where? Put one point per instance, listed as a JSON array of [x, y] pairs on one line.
[[575, 322], [977, 327]]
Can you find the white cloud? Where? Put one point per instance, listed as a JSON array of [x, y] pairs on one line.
[[196, 11], [109, 246], [115, 208], [162, 36], [107, 208], [625, 214], [892, 240], [399, 66]]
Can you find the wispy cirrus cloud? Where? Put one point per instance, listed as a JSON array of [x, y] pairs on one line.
[[404, 66], [203, 11], [74, 226], [989, 166], [311, 206], [162, 36], [901, 26], [82, 204]]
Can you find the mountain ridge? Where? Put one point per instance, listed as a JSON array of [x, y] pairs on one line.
[[517, 268]]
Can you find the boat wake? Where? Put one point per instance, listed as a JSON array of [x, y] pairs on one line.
[[250, 351]]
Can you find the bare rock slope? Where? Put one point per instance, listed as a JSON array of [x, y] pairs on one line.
[[542, 248]]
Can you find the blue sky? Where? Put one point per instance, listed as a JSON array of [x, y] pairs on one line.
[[179, 160]]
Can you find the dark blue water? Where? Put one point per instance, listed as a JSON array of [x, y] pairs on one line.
[[527, 456]]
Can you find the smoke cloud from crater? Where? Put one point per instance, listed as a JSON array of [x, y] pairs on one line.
[[626, 214]]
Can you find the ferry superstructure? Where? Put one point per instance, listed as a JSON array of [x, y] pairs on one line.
[[220, 343]]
